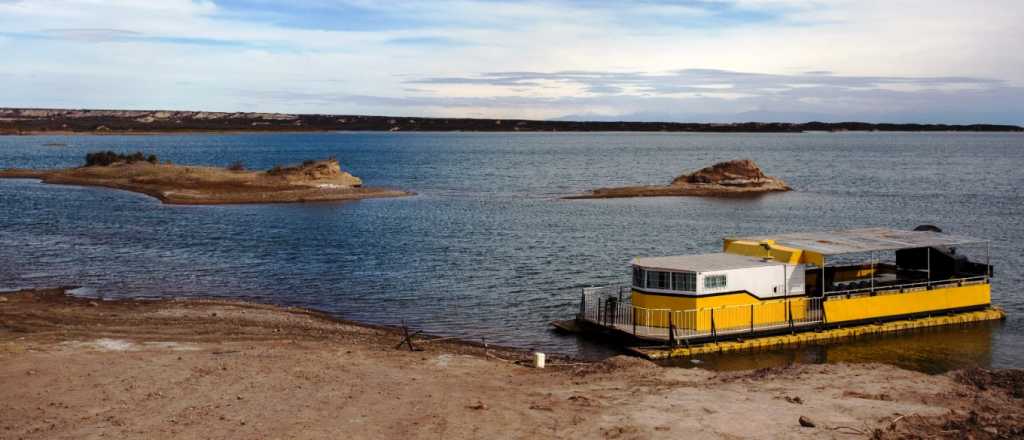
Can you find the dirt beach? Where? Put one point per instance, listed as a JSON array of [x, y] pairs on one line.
[[81, 368], [312, 181]]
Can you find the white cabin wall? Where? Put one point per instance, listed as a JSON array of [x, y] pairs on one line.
[[757, 280], [796, 280]]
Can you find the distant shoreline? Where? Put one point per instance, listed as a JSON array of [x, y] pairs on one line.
[[41, 122], [239, 132]]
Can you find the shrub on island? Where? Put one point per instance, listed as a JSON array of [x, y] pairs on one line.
[[107, 158]]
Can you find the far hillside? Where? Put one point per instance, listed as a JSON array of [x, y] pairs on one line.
[[16, 121]]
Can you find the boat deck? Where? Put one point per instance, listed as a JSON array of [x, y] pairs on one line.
[[661, 334]]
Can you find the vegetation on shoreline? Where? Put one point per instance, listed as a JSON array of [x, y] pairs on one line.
[[107, 158]]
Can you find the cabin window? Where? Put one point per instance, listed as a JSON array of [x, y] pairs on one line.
[[685, 281], [714, 281], [657, 280], [638, 276]]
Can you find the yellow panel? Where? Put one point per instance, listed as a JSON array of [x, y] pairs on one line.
[[673, 302], [856, 272], [768, 248], [729, 311], [655, 307], [896, 304]]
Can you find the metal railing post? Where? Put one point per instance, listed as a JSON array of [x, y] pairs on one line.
[[583, 302], [671, 330], [988, 261], [751, 319], [613, 308], [928, 281], [634, 319], [824, 318], [714, 331], [789, 308], [872, 273]]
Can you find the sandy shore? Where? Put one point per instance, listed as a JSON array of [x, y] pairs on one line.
[[202, 185], [79, 368]]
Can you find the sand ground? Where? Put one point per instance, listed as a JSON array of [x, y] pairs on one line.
[[79, 368]]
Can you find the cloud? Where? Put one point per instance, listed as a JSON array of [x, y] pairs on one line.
[[842, 100], [532, 58], [124, 36], [427, 40], [707, 82], [89, 34]]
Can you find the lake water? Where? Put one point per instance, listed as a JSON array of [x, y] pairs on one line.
[[487, 249]]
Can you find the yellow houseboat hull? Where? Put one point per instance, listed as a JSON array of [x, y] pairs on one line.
[[896, 304], [834, 334], [743, 310]]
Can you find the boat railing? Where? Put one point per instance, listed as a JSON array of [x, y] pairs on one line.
[[890, 289], [610, 307]]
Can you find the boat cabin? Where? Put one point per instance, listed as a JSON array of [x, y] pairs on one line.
[[716, 274]]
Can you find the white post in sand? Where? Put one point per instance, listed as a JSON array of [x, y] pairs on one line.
[[538, 360]]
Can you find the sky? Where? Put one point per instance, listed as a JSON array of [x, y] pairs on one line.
[[940, 61]]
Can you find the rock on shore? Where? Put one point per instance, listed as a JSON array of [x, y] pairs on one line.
[[732, 178]]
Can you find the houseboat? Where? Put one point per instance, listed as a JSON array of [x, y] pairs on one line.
[[803, 286]]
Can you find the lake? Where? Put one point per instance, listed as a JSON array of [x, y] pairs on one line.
[[488, 249]]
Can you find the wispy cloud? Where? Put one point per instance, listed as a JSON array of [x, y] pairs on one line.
[[126, 36], [429, 40], [89, 34], [703, 80]]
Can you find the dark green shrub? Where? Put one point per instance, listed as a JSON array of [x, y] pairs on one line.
[[107, 158]]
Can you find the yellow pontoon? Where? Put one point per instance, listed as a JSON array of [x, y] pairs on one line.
[[789, 283]]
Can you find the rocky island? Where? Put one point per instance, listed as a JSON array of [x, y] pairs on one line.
[[312, 181], [724, 179]]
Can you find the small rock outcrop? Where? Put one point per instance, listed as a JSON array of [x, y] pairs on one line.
[[742, 172], [732, 178], [317, 171]]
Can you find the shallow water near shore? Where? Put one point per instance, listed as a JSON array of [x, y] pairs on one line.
[[487, 249]]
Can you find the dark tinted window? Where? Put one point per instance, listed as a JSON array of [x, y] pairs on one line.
[[685, 281], [658, 280]]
